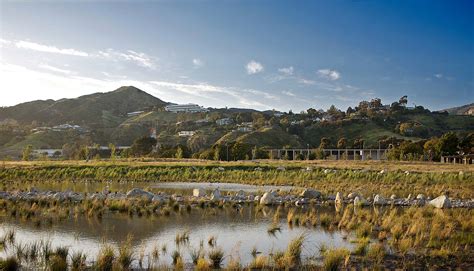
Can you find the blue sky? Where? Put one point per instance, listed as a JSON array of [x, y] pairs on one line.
[[255, 54]]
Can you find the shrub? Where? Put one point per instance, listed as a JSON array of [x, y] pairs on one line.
[[334, 258]]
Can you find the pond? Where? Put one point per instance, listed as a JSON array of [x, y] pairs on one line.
[[236, 231]]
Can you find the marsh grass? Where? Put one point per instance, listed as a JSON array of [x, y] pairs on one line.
[[334, 259], [78, 261], [216, 256], [105, 258]]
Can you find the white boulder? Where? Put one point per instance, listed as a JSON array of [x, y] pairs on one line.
[[379, 200], [199, 192], [339, 198], [441, 202], [216, 195], [267, 199], [310, 194], [139, 193]]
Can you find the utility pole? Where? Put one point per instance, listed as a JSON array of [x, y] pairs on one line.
[[307, 156], [227, 147]]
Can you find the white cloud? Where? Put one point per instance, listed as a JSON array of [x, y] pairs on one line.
[[329, 74], [198, 63], [138, 58], [254, 67], [438, 75], [306, 81], [288, 93], [49, 49], [55, 69], [287, 71]]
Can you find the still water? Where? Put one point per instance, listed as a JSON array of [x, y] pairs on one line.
[[237, 232]]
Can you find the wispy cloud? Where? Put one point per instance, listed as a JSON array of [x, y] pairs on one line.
[[438, 75], [286, 71], [329, 74], [288, 93], [49, 49], [138, 58], [198, 63], [55, 69], [254, 67]]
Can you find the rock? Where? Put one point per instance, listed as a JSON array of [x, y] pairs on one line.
[[251, 198], [309, 169], [353, 195], [158, 198], [441, 202], [420, 197], [393, 197], [258, 169], [407, 172], [240, 194], [310, 194], [360, 201], [281, 168], [219, 169], [300, 202], [379, 200], [199, 192], [409, 197], [339, 198], [216, 195], [267, 198], [139, 193], [256, 198], [326, 171], [383, 171]]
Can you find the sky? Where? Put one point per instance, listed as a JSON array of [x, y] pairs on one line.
[[252, 54]]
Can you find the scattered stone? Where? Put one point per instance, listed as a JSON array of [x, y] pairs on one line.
[[301, 202], [281, 168], [441, 202], [240, 194], [379, 200], [216, 195], [310, 194], [420, 197], [339, 198], [353, 195], [393, 197], [199, 192], [139, 193], [360, 201], [267, 198], [258, 169]]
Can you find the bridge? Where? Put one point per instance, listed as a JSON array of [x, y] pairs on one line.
[[332, 154]]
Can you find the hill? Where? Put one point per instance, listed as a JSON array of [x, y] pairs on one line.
[[467, 109], [95, 110], [101, 118]]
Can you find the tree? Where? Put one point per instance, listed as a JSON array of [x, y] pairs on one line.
[[113, 150], [358, 143], [312, 112], [341, 143], [143, 146], [432, 149], [467, 144], [325, 142], [349, 111], [375, 103], [403, 101], [27, 153], [449, 143], [179, 153]]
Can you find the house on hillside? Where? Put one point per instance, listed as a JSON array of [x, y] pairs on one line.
[[133, 114], [186, 108], [186, 133], [224, 121]]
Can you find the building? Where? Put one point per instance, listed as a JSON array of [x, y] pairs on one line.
[[47, 152], [224, 121], [133, 114], [188, 108], [244, 129], [186, 133]]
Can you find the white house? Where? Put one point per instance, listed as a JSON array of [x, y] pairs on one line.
[[188, 108], [224, 121], [186, 133]]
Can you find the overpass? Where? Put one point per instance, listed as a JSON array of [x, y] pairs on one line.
[[332, 154]]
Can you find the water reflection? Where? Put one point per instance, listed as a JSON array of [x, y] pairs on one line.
[[236, 232]]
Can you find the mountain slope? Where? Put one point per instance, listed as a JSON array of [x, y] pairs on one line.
[[459, 110], [89, 110]]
